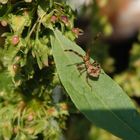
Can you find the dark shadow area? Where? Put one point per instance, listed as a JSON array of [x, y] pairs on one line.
[[78, 127], [124, 123], [119, 50]]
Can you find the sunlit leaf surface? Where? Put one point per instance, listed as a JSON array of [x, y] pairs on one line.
[[105, 104]]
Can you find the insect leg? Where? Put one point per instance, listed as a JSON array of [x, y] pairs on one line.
[[77, 64], [82, 71], [94, 63], [70, 50], [80, 66], [87, 80]]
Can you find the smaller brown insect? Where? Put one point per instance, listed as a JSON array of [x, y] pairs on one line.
[[93, 69]]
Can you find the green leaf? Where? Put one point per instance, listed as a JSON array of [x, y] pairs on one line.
[[105, 104], [40, 126], [41, 52], [6, 114], [18, 22], [6, 84], [45, 18]]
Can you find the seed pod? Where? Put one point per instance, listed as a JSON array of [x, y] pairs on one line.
[[30, 117], [52, 111], [77, 31], [64, 106], [17, 58], [54, 19], [65, 20], [16, 68], [15, 129], [4, 23], [15, 40]]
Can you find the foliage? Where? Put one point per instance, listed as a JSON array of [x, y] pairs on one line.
[[33, 102], [30, 106]]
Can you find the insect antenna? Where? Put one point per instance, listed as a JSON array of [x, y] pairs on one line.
[[88, 52]]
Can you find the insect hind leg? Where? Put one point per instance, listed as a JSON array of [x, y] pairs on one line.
[[87, 77]]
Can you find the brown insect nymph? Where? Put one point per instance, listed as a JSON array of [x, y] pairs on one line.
[[93, 69]]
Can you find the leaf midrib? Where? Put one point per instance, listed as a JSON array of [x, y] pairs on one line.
[[105, 105]]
